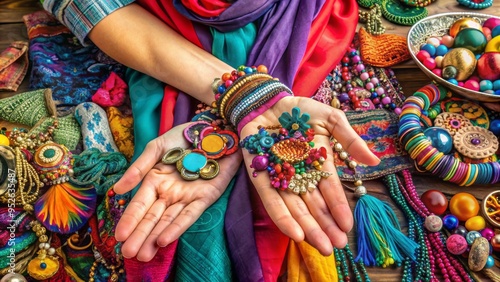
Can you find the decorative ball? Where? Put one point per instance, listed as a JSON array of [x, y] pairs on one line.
[[463, 60], [485, 85], [437, 71], [491, 23], [433, 223], [472, 39], [487, 33], [455, 82], [488, 66], [495, 31], [464, 23], [456, 244], [472, 85], [433, 41], [472, 236], [490, 262], [449, 72], [496, 84], [430, 63], [475, 223], [460, 230], [487, 233], [493, 45], [495, 243], [448, 41], [429, 48], [4, 140], [259, 163], [13, 277], [435, 201], [439, 61], [495, 127], [422, 55], [441, 50], [464, 206], [450, 222]]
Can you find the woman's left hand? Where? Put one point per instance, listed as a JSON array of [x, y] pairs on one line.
[[165, 205]]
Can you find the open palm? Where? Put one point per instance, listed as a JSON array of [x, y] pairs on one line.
[[165, 205], [321, 217]]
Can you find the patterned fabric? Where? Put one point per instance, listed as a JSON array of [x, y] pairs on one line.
[[379, 128], [67, 132], [122, 128], [82, 15], [13, 65], [95, 127], [59, 62], [25, 108]]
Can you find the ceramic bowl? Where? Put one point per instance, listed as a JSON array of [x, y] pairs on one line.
[[438, 25]]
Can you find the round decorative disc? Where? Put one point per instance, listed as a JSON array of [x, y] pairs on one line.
[[49, 155], [42, 269], [395, 11], [211, 170], [213, 144], [451, 122], [491, 208], [192, 132], [475, 142], [173, 155], [194, 161]]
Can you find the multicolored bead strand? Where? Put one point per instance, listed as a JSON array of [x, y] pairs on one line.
[[344, 256], [439, 256], [429, 158]]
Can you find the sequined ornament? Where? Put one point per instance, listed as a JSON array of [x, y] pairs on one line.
[[475, 142], [464, 23], [287, 153]]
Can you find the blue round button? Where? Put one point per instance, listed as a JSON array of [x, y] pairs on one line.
[[194, 161]]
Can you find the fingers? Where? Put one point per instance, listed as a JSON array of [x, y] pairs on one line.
[[274, 204], [339, 127], [149, 158], [135, 211]]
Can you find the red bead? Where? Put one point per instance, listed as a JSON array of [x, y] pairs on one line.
[[435, 201], [226, 76], [121, 202], [111, 193], [277, 168], [345, 69], [345, 60]]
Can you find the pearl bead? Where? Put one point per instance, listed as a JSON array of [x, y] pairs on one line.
[[472, 236], [13, 277]]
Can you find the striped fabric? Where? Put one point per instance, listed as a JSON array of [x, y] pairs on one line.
[[80, 16]]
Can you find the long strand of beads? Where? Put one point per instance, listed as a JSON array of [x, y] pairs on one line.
[[415, 233], [448, 265], [355, 73], [355, 266]]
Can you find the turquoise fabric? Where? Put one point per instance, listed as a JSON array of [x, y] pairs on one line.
[[233, 47], [146, 95], [202, 253]]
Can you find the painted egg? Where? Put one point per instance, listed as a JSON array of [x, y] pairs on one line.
[[463, 23], [433, 223], [475, 223], [463, 60], [478, 254], [464, 206], [471, 39], [488, 66], [456, 244]]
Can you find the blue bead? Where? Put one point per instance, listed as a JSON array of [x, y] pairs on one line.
[[496, 84], [490, 262], [450, 222], [267, 142], [460, 230], [489, 91], [194, 162], [374, 95], [453, 81], [495, 127], [248, 70], [43, 265], [471, 236], [497, 92], [478, 56], [440, 139], [430, 49], [221, 89], [441, 50], [485, 85]]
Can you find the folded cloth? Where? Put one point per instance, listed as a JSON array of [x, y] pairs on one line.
[[112, 93], [13, 65]]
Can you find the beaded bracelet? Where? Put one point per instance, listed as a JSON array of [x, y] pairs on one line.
[[430, 159], [478, 4], [246, 93]]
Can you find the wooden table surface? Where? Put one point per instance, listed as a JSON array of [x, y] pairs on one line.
[[411, 78]]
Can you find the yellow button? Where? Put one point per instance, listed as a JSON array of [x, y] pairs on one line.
[[212, 143]]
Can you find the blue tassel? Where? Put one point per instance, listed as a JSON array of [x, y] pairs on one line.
[[379, 237]]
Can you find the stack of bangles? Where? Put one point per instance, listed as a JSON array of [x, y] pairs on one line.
[[449, 167]]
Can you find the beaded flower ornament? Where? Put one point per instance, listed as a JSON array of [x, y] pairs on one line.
[[288, 153]]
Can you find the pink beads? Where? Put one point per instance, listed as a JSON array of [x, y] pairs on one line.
[[364, 76], [472, 85], [430, 63]]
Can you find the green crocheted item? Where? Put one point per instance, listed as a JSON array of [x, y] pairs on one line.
[[398, 13], [368, 3], [67, 133], [26, 108]]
